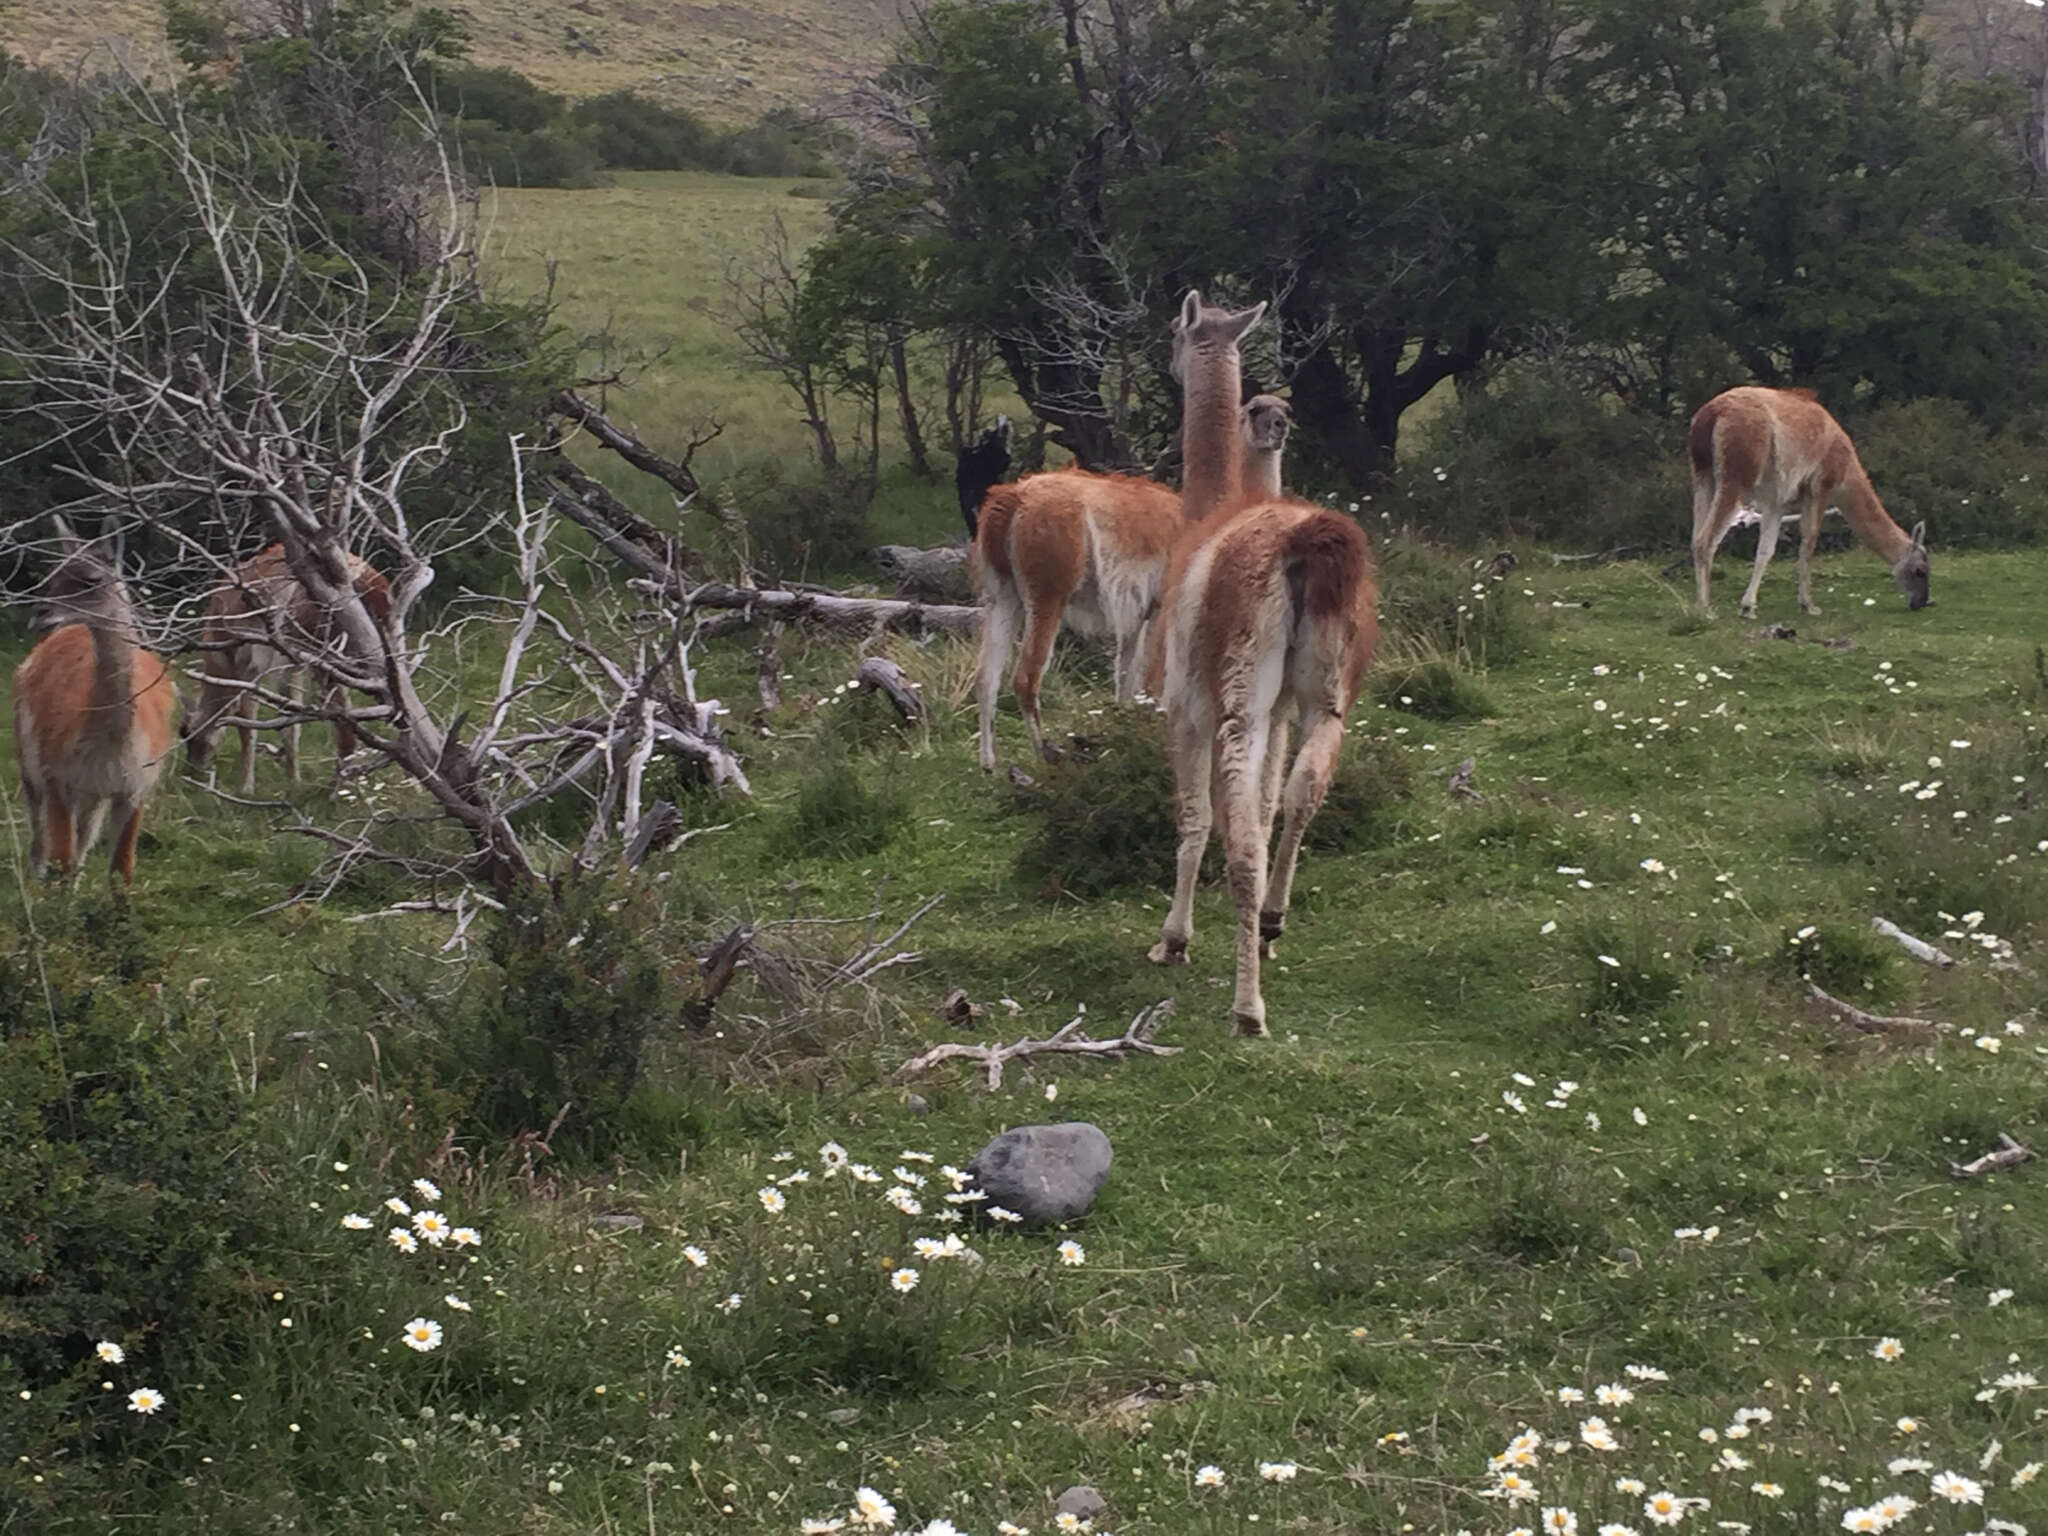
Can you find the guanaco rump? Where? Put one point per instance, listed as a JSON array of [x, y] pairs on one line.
[[1089, 550], [1269, 618], [1778, 450], [248, 616], [92, 713]]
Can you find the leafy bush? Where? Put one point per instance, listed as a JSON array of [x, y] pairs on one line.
[[780, 144], [1435, 690], [505, 157], [837, 816], [630, 133], [1932, 460], [126, 1189], [1104, 813], [1434, 603], [1538, 455]]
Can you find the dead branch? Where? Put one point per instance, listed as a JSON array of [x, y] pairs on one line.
[[1460, 784], [831, 609], [883, 676], [715, 974], [768, 674], [1137, 1037], [872, 957], [1919, 949], [676, 473], [2010, 1154], [1866, 1023]]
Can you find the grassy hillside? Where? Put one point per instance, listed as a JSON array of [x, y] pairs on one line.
[[730, 60], [1545, 1133]]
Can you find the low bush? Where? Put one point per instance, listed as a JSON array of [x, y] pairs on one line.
[[1850, 962], [128, 1191], [1435, 690], [838, 816], [1434, 604], [630, 133], [1932, 460]]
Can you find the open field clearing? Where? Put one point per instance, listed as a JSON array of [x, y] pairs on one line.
[[1546, 1142]]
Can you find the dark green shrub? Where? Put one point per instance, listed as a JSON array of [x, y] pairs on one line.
[[501, 96], [630, 133], [837, 816], [1537, 454], [504, 157], [1933, 460], [1627, 985], [1438, 603], [127, 1192], [563, 1015], [780, 144], [1105, 821], [1435, 690]]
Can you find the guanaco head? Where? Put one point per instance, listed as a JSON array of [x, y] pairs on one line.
[[1911, 571], [86, 586], [1201, 329], [1266, 419]]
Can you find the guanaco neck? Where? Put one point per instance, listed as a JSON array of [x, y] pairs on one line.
[[1261, 473], [113, 665], [1211, 441], [1868, 519]]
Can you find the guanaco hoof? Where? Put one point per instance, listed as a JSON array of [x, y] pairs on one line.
[[1049, 752], [1166, 952], [1249, 1027], [1272, 925]]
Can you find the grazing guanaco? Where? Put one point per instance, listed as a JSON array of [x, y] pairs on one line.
[[1778, 450]]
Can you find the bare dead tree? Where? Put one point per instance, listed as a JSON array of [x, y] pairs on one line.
[[304, 404]]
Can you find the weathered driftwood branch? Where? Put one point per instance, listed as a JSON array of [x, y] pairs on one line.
[[1867, 1023], [1601, 556], [1919, 949], [873, 956], [1460, 784], [1137, 1037], [676, 473], [768, 673], [2010, 1154], [716, 973], [862, 613], [883, 676]]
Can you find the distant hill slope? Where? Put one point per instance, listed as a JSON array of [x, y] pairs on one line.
[[729, 60]]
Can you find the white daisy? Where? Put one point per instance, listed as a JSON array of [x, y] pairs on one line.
[[423, 1334], [145, 1400], [110, 1352]]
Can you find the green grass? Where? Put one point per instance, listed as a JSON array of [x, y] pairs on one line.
[[1341, 1247]]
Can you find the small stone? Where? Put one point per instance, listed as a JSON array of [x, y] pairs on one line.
[[616, 1222], [843, 1417], [1047, 1174], [1082, 1502], [917, 1104]]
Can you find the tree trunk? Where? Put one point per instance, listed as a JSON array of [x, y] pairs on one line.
[[1327, 404], [913, 430], [1068, 397]]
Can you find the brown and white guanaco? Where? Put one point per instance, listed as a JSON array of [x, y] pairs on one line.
[[92, 713]]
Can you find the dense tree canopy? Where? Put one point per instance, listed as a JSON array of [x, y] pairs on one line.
[[1695, 191]]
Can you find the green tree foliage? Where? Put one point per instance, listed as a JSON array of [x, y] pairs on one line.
[[1691, 194]]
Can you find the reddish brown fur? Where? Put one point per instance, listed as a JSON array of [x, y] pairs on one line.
[[238, 636], [1066, 545], [1779, 450], [1269, 617], [92, 724]]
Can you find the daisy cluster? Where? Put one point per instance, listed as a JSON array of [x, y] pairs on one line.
[[419, 1232], [1588, 1475]]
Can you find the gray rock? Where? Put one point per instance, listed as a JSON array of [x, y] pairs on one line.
[[843, 1416], [917, 1104], [616, 1222], [1045, 1173], [1082, 1502]]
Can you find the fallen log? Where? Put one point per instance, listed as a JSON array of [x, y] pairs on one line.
[[883, 676], [2010, 1154], [1136, 1037], [1865, 1023], [1919, 949]]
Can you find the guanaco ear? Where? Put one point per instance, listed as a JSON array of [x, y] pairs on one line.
[[1920, 535], [65, 536], [1244, 321], [1191, 309]]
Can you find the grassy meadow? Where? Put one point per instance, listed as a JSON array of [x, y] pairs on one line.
[[1543, 1115]]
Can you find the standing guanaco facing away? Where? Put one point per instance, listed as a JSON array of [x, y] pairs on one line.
[[1778, 450], [1269, 619], [1091, 551], [248, 616], [92, 713]]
